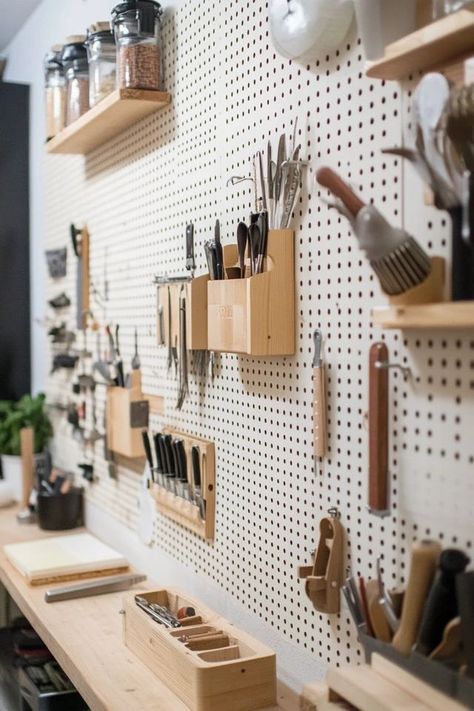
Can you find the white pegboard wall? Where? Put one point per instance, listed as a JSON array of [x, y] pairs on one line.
[[230, 94]]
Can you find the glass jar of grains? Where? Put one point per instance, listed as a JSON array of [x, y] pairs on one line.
[[74, 58], [55, 92], [101, 53], [137, 27]]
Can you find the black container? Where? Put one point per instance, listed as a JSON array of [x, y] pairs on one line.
[[60, 512]]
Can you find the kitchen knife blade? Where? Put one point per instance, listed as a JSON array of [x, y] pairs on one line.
[[172, 473], [197, 482], [182, 467], [159, 459], [146, 444]]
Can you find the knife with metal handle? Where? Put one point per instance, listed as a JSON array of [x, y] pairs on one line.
[[424, 560], [196, 464], [378, 429], [190, 261], [319, 397]]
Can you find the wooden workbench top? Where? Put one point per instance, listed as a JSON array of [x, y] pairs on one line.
[[85, 636]]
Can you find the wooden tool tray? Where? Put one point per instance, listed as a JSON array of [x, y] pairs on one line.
[[240, 676], [256, 316], [187, 513]]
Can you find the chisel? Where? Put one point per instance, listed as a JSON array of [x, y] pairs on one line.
[[319, 397], [424, 560]]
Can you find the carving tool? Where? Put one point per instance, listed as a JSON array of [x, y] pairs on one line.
[[114, 583], [385, 601], [270, 184], [378, 429], [441, 605], [398, 260], [157, 612], [424, 559], [319, 397]]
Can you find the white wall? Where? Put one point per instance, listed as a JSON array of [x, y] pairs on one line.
[[49, 24]]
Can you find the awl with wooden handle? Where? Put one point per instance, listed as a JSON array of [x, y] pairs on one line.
[[319, 397], [424, 561], [378, 429]]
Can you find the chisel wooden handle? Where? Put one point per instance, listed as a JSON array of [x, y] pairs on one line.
[[424, 560], [329, 179], [319, 411], [378, 428]]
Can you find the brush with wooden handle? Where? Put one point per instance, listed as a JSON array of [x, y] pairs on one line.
[[397, 259], [319, 398], [378, 429], [424, 561]]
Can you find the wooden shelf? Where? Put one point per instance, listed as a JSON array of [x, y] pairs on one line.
[[122, 109], [444, 42], [456, 314]]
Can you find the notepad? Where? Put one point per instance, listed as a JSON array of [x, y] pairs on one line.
[[64, 556]]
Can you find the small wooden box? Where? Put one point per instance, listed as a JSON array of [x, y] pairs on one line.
[[256, 316], [237, 677], [185, 512], [196, 313], [127, 415]]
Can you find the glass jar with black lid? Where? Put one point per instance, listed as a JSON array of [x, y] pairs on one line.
[[137, 28], [55, 92], [74, 59], [101, 53]]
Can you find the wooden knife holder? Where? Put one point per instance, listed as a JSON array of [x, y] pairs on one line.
[[188, 513], [256, 315], [240, 676], [127, 415], [196, 313]]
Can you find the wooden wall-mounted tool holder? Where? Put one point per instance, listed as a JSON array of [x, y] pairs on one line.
[[196, 313], [127, 415], [235, 672], [325, 577], [199, 519], [256, 315]]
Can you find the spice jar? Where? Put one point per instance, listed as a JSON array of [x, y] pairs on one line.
[[137, 28], [101, 53], [55, 92], [74, 58]]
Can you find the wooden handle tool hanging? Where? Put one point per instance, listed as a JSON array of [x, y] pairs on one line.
[[319, 398], [333, 182], [378, 429], [424, 560]]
